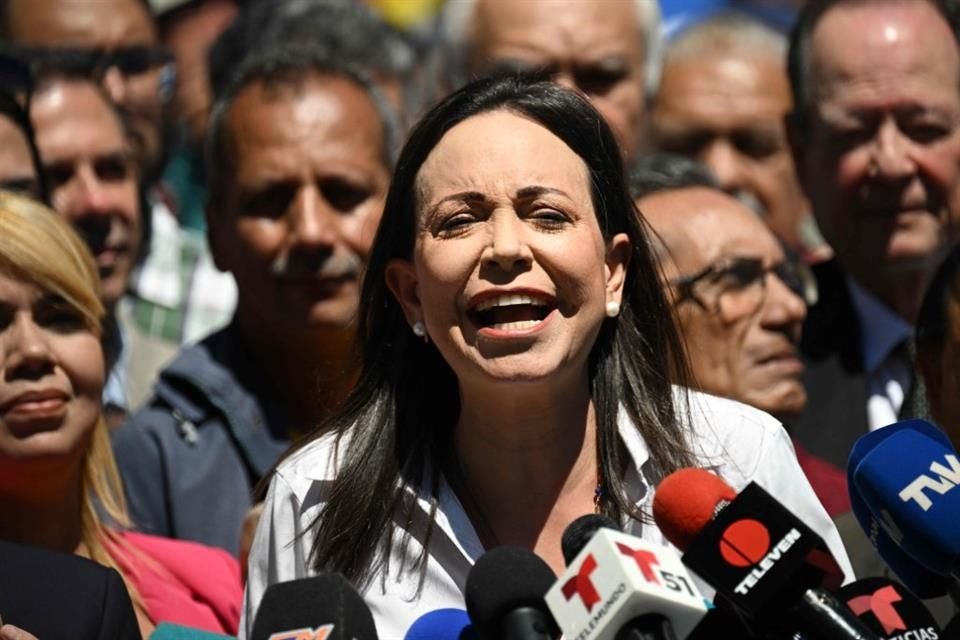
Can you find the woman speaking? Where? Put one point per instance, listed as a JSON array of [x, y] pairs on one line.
[[517, 363]]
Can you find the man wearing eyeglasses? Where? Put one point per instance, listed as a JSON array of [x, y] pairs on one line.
[[739, 300], [177, 294]]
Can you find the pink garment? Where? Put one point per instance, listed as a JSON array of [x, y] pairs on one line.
[[181, 582]]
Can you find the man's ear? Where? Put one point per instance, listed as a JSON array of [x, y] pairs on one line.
[[619, 253], [401, 277]]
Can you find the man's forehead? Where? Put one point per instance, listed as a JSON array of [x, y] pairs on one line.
[[556, 26], [704, 224], [876, 47], [80, 23]]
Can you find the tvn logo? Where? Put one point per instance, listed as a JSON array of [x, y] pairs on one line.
[[746, 543], [944, 479], [320, 633]]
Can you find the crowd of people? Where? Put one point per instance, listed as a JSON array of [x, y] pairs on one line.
[[287, 289]]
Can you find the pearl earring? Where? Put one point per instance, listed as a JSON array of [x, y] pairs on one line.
[[420, 330], [613, 309]]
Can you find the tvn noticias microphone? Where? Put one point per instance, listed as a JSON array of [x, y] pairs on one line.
[[504, 596], [442, 624], [906, 475], [888, 609], [759, 557], [619, 587], [323, 607]]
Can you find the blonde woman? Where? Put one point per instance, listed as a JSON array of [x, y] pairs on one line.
[[59, 486]]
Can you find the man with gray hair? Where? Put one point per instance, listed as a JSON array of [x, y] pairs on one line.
[[723, 96], [608, 49], [299, 159]]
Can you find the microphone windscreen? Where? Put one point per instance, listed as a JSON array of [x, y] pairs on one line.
[[906, 480], [686, 501], [578, 533], [505, 579], [921, 581], [441, 624], [888, 609], [326, 602]]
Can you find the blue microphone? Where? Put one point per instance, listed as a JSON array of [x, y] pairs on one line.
[[442, 624], [906, 475], [919, 580]]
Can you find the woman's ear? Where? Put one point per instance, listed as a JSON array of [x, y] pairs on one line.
[[619, 252], [401, 278]]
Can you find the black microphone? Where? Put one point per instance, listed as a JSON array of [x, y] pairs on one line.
[[579, 532], [888, 609], [326, 606], [504, 596], [758, 556]]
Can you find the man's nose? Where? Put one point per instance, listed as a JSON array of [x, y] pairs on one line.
[[891, 157], [726, 163], [85, 195], [313, 222], [783, 307]]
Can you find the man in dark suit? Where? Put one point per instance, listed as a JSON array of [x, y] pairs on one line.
[[875, 134], [57, 595]]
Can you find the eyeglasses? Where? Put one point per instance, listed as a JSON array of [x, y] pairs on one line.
[[736, 287], [94, 63]]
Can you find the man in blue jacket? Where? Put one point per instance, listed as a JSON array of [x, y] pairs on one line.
[[298, 166]]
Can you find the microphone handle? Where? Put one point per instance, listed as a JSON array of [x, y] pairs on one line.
[[526, 623], [650, 626], [820, 615]]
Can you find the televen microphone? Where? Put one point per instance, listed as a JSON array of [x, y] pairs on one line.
[[758, 556]]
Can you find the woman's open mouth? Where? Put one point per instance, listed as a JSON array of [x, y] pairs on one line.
[[512, 312]]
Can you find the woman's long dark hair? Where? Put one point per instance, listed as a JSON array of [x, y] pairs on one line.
[[406, 401]]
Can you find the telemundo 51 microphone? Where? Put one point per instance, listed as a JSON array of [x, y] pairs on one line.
[[759, 557], [907, 475], [917, 578], [619, 587], [889, 610], [504, 596], [323, 607]]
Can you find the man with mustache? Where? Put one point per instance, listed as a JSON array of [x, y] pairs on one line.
[[739, 300], [299, 157], [875, 134]]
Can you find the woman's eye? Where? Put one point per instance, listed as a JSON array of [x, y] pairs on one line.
[[456, 222], [64, 319], [550, 217]]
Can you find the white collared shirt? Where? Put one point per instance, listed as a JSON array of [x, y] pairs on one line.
[[738, 442], [888, 375]]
